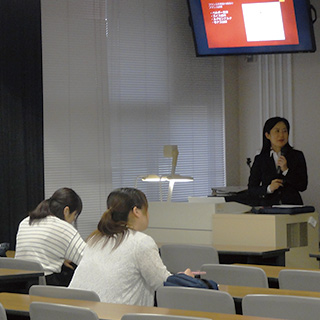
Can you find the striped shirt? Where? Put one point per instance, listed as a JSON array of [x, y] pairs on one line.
[[49, 241]]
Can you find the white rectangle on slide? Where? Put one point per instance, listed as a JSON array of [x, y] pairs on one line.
[[263, 21]]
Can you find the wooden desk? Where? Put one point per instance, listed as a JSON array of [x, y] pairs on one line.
[[18, 305], [10, 253], [8, 275], [266, 255], [238, 292], [18, 280], [271, 230]]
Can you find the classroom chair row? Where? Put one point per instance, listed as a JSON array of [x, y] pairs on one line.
[[173, 298]]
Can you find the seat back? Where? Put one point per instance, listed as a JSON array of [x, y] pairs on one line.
[[51, 311], [299, 280], [149, 316], [236, 275], [179, 257], [195, 299], [63, 292], [3, 315], [13, 263], [283, 307]]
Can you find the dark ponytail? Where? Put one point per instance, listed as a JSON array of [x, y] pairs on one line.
[[113, 223], [109, 227], [40, 212]]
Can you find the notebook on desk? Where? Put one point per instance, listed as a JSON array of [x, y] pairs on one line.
[[283, 209], [227, 191]]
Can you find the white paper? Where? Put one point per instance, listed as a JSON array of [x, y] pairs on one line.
[[263, 21]]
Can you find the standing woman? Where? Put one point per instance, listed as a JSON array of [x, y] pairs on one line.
[[120, 263], [48, 237], [279, 172]]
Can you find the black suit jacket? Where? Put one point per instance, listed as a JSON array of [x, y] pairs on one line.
[[263, 171]]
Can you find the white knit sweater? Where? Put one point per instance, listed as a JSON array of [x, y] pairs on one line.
[[129, 274]]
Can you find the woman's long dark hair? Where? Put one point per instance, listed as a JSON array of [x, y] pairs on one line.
[[113, 223], [63, 197], [269, 124]]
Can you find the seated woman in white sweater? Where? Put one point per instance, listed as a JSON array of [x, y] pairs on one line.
[[120, 263]]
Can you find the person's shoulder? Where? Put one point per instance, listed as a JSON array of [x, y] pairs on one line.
[[137, 235], [54, 220], [25, 220], [60, 223], [24, 224], [261, 156], [296, 153], [142, 238]]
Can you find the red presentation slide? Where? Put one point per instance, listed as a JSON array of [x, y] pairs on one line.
[[249, 23]]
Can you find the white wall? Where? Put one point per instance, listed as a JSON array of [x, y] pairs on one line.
[[76, 138], [305, 113], [231, 97]]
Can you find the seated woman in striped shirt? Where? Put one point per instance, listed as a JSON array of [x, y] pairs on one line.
[[48, 237]]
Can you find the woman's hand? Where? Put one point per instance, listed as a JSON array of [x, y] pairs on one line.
[[68, 264], [282, 163], [276, 184], [188, 273]]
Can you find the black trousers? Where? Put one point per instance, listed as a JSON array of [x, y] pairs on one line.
[[61, 279]]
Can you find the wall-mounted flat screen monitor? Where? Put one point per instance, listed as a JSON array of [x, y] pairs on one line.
[[234, 27]]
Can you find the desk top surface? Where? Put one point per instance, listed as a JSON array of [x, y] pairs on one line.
[[19, 304], [239, 292], [273, 271], [249, 249], [6, 273], [243, 249]]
